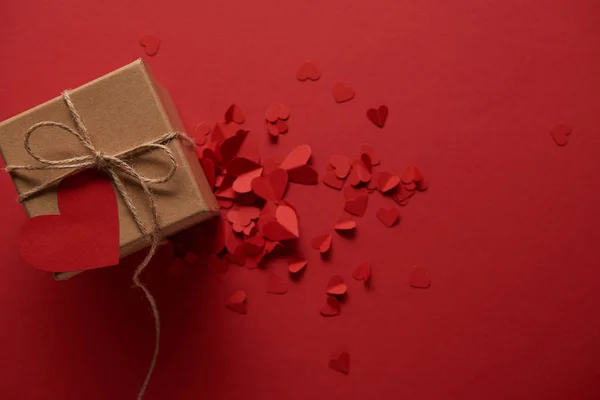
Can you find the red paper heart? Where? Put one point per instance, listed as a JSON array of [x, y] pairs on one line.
[[276, 285], [331, 308], [378, 116], [330, 179], [322, 243], [272, 130], [419, 278], [340, 363], [341, 164], [281, 126], [357, 206], [359, 174], [298, 157], [336, 286], [296, 266], [150, 43], [411, 174], [345, 224], [285, 225], [234, 114], [308, 70], [560, 133], [387, 182], [201, 131], [209, 170], [271, 187], [362, 272], [237, 302], [367, 149], [243, 183], [304, 175], [388, 216], [86, 233], [276, 111], [342, 92]]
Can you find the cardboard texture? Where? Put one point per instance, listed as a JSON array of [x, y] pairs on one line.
[[120, 110]]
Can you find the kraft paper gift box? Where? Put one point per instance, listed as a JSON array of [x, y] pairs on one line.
[[120, 110]]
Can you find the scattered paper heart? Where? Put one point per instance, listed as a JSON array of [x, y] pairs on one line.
[[345, 224], [244, 182], [322, 243], [341, 165], [297, 266], [237, 302], [330, 179], [378, 116], [362, 272], [370, 151], [150, 43], [276, 111], [309, 71], [340, 362], [388, 216], [284, 226], [336, 286], [419, 278], [560, 133], [271, 187], [357, 206], [331, 308], [234, 114], [276, 285], [342, 92], [386, 182]]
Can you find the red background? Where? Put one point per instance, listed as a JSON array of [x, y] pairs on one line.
[[508, 229]]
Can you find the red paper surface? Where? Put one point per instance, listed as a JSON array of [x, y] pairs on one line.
[[508, 229]]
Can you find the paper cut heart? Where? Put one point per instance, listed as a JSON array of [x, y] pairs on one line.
[[237, 302], [297, 168], [370, 151], [331, 308], [322, 243], [296, 266], [330, 179], [336, 286], [341, 164], [357, 206], [234, 114], [243, 183], [201, 132], [388, 217], [386, 182], [308, 70], [275, 284], [150, 43], [378, 116], [342, 92], [560, 134], [345, 224], [340, 363], [276, 111], [419, 278], [85, 235], [271, 187], [284, 226], [362, 272]]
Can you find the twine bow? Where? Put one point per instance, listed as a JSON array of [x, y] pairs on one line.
[[112, 165]]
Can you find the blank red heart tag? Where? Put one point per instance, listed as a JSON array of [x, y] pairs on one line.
[[234, 114], [321, 243], [388, 216], [340, 362], [331, 308], [378, 116], [342, 92], [419, 278], [150, 43], [237, 302], [308, 70], [560, 133], [357, 206], [276, 284], [336, 286], [362, 272], [85, 235], [271, 187]]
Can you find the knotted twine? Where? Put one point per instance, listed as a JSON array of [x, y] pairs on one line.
[[112, 165]]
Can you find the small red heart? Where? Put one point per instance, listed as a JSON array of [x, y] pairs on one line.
[[308, 70], [362, 272], [340, 362], [387, 182], [330, 179], [201, 132], [560, 133], [298, 157], [336, 286], [271, 187], [254, 244], [85, 235], [321, 243], [378, 116], [284, 226], [388, 217], [243, 183], [331, 308], [243, 215], [341, 164], [234, 114], [357, 206], [296, 266], [342, 92], [304, 175], [276, 111], [370, 151], [150, 43], [237, 302], [276, 285], [281, 126], [359, 174], [419, 278], [345, 224], [272, 130], [411, 174]]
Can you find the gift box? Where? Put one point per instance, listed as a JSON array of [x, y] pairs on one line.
[[121, 110]]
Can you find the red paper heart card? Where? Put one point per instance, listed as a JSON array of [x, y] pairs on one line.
[[85, 235]]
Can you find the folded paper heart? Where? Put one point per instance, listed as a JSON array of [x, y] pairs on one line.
[[560, 133], [378, 116], [237, 302], [297, 168], [276, 284], [321, 243], [332, 307], [336, 286], [272, 186], [276, 111], [297, 266], [419, 278], [85, 235], [342, 92], [284, 226], [234, 114], [357, 206], [308, 70], [341, 164], [362, 272], [340, 362], [330, 179], [388, 216], [150, 43], [345, 225]]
